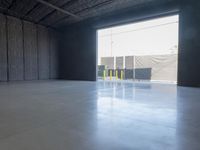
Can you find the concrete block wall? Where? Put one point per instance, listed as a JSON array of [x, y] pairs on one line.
[[30, 51], [120, 62], [129, 62], [149, 67], [3, 49], [189, 44], [27, 51], [156, 67], [77, 57], [108, 62]]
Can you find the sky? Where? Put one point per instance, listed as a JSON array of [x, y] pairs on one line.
[[152, 37]]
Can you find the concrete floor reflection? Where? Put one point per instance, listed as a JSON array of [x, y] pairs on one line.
[[138, 116], [49, 115]]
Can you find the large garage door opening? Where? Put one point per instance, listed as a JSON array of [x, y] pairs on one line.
[[142, 51]]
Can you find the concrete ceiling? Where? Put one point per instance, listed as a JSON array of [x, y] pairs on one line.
[[36, 12]]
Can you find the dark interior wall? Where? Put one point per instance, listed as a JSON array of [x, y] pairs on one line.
[[26, 50], [54, 62], [43, 53], [78, 53], [189, 44], [30, 51], [3, 49], [15, 49]]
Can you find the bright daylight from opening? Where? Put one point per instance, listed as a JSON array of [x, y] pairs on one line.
[[145, 50]]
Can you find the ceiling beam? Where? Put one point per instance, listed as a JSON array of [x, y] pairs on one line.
[[11, 4], [30, 10], [68, 3], [59, 9], [82, 10]]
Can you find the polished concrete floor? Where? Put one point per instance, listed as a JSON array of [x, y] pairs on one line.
[[69, 115]]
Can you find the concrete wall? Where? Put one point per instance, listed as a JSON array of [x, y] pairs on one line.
[[189, 44], [156, 67], [25, 50], [119, 63], [78, 53], [54, 49], [30, 51], [15, 48], [108, 62], [3, 49], [43, 53], [129, 62]]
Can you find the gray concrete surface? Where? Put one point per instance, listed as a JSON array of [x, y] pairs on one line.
[[70, 115]]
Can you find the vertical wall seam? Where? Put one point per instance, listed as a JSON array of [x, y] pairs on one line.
[[23, 50], [49, 32], [36, 27], [37, 52], [9, 51], [6, 19]]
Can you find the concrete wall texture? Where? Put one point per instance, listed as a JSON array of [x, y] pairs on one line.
[[77, 56], [148, 67], [119, 62], [189, 44], [108, 62], [129, 62], [157, 67], [27, 51], [3, 49]]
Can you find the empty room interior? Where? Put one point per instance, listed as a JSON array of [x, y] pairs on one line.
[[99, 75]]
